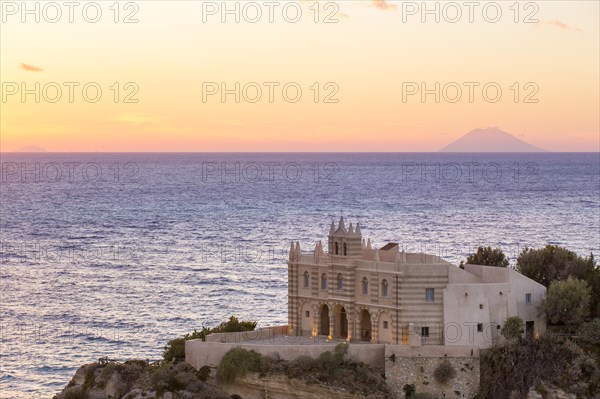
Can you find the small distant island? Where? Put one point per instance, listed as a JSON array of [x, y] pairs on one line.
[[489, 140], [31, 148]]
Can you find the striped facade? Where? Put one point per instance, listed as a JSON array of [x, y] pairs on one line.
[[357, 293]]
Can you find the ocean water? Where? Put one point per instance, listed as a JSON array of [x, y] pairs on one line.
[[115, 254]]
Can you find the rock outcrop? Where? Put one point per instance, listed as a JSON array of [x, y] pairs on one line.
[[137, 379]]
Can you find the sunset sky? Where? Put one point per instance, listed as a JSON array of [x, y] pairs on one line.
[[377, 48]]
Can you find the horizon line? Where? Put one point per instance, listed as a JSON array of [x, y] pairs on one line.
[[300, 152]]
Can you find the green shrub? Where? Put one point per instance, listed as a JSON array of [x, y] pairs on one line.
[[513, 328], [589, 332], [175, 348], [105, 374], [234, 325], [203, 373], [131, 370], [340, 351], [444, 372], [300, 366], [328, 362], [409, 390], [236, 363]]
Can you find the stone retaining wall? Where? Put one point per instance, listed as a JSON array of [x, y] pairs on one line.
[[403, 364], [417, 365]]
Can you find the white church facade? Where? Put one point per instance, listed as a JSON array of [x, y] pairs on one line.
[[358, 293]]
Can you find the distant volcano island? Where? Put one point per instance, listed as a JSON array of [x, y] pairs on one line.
[[489, 140]]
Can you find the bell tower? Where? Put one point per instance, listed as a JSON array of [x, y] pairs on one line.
[[345, 243]]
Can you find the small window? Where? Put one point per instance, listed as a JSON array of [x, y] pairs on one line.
[[528, 298], [344, 249], [306, 279], [365, 286], [479, 327], [424, 332], [385, 325], [498, 327], [384, 288], [481, 306], [429, 294], [340, 282], [323, 281], [337, 249], [307, 313]]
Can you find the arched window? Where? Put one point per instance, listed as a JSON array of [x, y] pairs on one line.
[[384, 288], [306, 280], [323, 281], [340, 281], [344, 249], [365, 286], [337, 249]]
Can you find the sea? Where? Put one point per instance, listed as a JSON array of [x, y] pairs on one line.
[[114, 254]]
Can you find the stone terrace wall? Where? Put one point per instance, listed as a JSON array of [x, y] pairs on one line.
[[416, 366], [199, 353]]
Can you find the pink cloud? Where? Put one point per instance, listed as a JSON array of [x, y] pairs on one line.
[[30, 68], [559, 24], [383, 5]]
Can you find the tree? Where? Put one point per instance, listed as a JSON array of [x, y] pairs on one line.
[[552, 263], [513, 328], [567, 302], [510, 371], [488, 256]]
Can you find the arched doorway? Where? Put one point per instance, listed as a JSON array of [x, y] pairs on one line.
[[324, 320], [365, 326], [341, 321]]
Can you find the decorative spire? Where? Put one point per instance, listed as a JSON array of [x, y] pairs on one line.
[[364, 244], [298, 251], [369, 243], [341, 223], [357, 231], [332, 228], [316, 254], [292, 250], [403, 256], [350, 229]]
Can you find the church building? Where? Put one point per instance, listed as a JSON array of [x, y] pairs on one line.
[[355, 292]]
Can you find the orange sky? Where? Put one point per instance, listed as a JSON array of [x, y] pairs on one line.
[[365, 62]]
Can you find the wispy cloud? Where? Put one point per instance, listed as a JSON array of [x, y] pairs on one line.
[[135, 119], [30, 68], [383, 5], [559, 24]]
